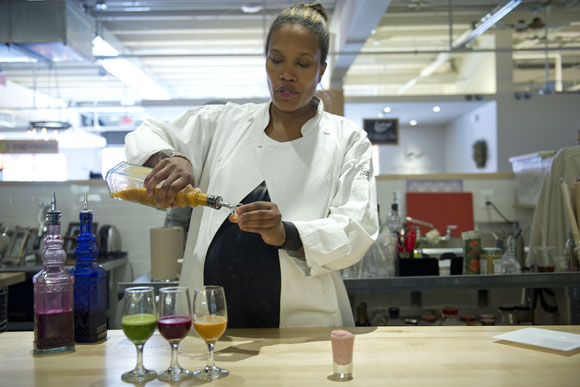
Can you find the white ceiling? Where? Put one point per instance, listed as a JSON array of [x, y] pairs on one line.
[[213, 50]]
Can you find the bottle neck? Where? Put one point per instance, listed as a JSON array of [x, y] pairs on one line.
[[86, 250], [193, 197], [53, 254]]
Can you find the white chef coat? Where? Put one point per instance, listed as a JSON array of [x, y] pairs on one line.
[[322, 182], [550, 226]]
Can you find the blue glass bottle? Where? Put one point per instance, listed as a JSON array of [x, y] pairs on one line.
[[90, 288]]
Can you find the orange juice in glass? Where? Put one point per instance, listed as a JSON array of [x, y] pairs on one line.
[[210, 318]]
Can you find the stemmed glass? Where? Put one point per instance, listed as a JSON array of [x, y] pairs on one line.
[[174, 324], [138, 323], [210, 318]]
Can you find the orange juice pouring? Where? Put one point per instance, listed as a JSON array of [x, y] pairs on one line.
[[210, 318]]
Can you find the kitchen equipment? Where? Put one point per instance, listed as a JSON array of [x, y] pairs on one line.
[[109, 242], [166, 248]]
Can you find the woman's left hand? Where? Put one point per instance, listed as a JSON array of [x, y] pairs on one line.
[[263, 218]]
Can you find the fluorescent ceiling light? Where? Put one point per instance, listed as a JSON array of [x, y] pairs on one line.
[[436, 109], [413, 122], [127, 72], [486, 23], [387, 109]]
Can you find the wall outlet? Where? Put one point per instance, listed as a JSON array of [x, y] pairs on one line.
[[485, 196]]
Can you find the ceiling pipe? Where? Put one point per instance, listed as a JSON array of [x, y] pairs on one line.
[[485, 24]]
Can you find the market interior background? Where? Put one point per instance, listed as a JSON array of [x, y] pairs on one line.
[[452, 72]]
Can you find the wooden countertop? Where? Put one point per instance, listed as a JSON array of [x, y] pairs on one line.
[[383, 356], [7, 279]]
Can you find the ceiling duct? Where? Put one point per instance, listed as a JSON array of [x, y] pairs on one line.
[[55, 31]]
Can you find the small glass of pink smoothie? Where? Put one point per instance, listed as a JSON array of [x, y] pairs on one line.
[[342, 346]]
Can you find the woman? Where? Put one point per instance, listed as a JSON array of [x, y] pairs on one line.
[[304, 178]]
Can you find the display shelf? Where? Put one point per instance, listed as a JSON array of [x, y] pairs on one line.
[[524, 280]]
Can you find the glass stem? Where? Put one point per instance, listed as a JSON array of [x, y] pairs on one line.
[[174, 364], [139, 369], [210, 356]]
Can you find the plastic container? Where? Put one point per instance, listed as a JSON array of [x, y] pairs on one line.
[[529, 172]]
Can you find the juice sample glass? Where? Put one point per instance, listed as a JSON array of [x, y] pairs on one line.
[[174, 324], [138, 323], [210, 319]]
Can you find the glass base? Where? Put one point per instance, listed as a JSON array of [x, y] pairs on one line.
[[174, 374], [340, 377], [211, 373], [42, 351], [144, 375]]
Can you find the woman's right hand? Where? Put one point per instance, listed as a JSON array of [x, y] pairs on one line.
[[175, 173]]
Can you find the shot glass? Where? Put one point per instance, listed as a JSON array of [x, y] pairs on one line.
[[342, 346]]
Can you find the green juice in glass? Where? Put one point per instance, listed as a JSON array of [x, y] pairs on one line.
[[139, 327]]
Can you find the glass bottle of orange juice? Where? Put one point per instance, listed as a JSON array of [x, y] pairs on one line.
[[125, 182]]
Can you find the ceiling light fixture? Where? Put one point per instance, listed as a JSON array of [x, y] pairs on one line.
[[387, 109], [251, 8], [52, 125], [413, 122], [485, 23], [128, 72], [436, 109]]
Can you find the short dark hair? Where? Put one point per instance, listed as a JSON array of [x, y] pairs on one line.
[[312, 16]]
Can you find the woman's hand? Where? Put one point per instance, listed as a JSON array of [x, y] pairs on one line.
[[175, 173], [263, 218]]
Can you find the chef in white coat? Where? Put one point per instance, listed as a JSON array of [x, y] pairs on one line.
[[303, 176]]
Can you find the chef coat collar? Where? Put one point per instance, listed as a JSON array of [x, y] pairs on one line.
[[307, 128]]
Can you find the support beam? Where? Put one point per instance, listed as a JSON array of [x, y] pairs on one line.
[[351, 24]]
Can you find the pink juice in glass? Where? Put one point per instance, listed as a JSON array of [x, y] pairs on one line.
[[174, 328]]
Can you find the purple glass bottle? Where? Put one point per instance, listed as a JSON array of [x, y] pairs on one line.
[[53, 293], [90, 285]]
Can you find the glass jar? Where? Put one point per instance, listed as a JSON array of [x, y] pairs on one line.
[[489, 260], [449, 316], [507, 315], [379, 317]]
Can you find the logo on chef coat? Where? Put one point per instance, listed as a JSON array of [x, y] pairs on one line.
[[365, 173]]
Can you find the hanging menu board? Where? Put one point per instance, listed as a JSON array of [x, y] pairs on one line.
[[382, 130]]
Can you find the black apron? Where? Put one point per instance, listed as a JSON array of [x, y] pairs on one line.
[[249, 271]]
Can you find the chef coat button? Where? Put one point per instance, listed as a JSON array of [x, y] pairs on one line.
[[219, 159], [326, 131], [328, 179]]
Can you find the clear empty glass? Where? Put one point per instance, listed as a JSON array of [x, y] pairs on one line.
[[138, 323], [210, 319], [174, 324]]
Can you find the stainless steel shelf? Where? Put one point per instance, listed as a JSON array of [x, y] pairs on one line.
[[524, 280]]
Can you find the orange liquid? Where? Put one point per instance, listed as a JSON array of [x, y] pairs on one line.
[[138, 195], [210, 328], [188, 196]]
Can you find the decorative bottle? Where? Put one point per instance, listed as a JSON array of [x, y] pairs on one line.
[[90, 295], [53, 293]]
